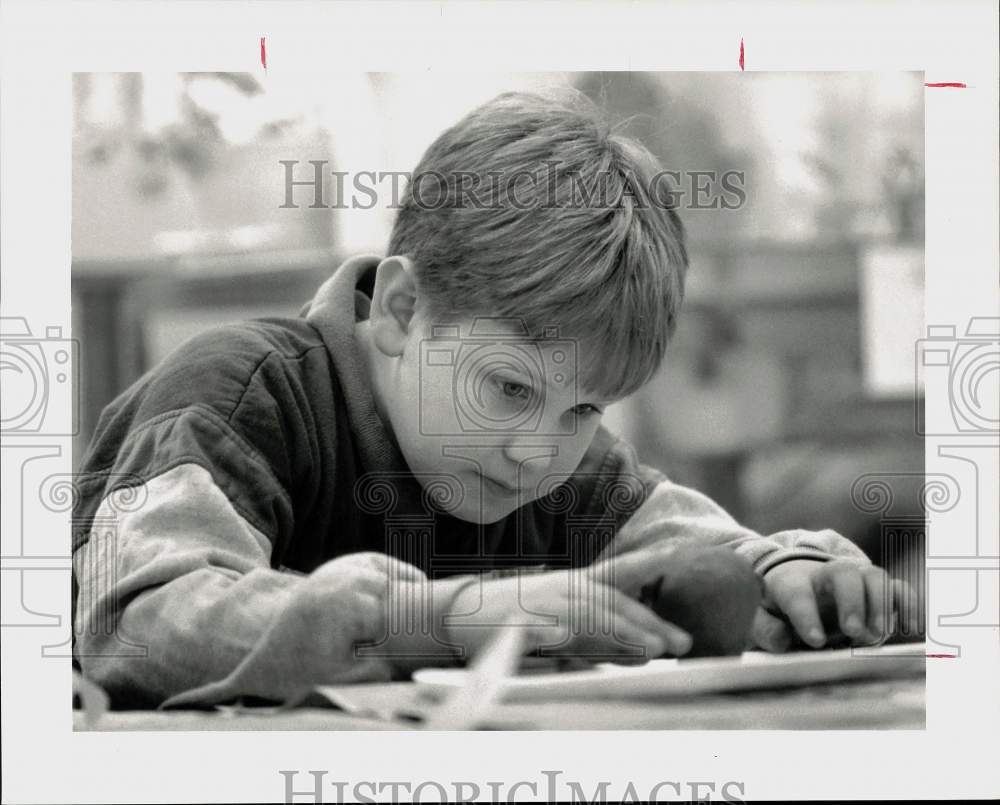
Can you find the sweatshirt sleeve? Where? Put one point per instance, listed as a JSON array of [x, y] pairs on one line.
[[180, 601], [649, 508]]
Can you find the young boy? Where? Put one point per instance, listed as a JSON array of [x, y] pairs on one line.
[[418, 458]]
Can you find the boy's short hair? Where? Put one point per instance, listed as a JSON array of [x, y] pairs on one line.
[[532, 207]]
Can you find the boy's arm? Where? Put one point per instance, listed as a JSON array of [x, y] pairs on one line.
[[182, 504], [657, 511], [179, 603], [813, 580], [178, 599]]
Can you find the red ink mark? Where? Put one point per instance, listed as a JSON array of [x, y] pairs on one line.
[[741, 52], [957, 85], [263, 53], [943, 656]]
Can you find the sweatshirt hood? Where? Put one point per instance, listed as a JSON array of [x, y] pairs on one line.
[[334, 311]]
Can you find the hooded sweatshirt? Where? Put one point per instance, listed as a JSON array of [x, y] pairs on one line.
[[242, 514]]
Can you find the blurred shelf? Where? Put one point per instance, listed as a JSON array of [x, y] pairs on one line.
[[856, 420], [219, 279], [210, 265], [771, 274]]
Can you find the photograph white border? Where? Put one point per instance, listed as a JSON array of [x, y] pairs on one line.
[[43, 43]]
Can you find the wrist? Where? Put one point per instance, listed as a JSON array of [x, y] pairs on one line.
[[422, 636], [796, 555], [456, 597]]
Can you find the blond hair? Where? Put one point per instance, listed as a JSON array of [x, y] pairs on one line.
[[587, 247]]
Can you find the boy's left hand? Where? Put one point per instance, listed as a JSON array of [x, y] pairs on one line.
[[808, 600]]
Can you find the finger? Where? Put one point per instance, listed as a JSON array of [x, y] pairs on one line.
[[770, 632], [879, 600], [847, 585], [797, 600], [630, 572], [602, 621], [675, 640], [601, 640], [632, 644]]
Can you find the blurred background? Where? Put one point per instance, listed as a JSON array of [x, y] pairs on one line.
[[792, 373]]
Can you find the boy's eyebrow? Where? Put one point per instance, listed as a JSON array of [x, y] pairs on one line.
[[551, 384]]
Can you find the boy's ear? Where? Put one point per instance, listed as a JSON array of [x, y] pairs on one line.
[[394, 301]]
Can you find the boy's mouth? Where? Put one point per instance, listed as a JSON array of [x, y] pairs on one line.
[[499, 488]]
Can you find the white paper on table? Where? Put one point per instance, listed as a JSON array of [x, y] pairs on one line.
[[657, 678]]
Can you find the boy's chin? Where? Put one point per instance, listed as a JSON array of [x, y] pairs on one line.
[[483, 512]]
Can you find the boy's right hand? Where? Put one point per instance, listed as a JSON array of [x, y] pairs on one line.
[[571, 613]]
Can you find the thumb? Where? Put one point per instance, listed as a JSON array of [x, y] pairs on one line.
[[630, 572], [770, 632]]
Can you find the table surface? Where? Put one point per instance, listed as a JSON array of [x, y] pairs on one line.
[[881, 704]]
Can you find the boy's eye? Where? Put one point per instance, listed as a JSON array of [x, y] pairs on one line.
[[517, 391], [586, 409]]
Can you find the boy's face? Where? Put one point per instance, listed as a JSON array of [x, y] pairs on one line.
[[491, 415]]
